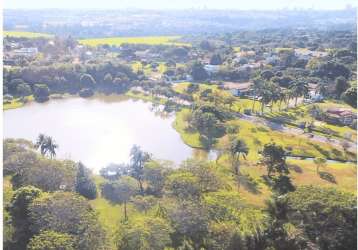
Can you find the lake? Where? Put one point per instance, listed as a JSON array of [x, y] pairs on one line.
[[100, 130]]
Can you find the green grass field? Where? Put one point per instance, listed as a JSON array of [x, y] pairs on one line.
[[26, 34], [149, 40]]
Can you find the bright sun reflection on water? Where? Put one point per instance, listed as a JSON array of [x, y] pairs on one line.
[[98, 131]]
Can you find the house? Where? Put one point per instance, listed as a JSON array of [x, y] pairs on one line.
[[238, 89], [27, 52], [212, 69], [341, 116]]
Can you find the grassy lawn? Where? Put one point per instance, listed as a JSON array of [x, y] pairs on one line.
[[257, 135], [149, 40], [181, 126], [26, 34], [16, 103]]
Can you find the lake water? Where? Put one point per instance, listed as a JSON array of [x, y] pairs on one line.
[[99, 131]]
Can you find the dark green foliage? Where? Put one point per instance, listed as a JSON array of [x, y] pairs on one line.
[[137, 162], [332, 70], [41, 92], [274, 158], [198, 72], [28, 168], [190, 221], [86, 92], [68, 213], [84, 185], [216, 59], [350, 96], [120, 191], [183, 185], [51, 240], [192, 87], [341, 85], [87, 81], [19, 211], [23, 89], [47, 145], [327, 217], [282, 184]]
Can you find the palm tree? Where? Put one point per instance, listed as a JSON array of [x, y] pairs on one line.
[[266, 95], [299, 88], [51, 146], [275, 94], [237, 148], [41, 143], [283, 95], [257, 87], [46, 145]]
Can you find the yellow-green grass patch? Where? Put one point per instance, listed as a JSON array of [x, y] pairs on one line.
[[26, 34], [149, 40]]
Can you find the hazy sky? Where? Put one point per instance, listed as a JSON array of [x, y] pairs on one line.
[[180, 4]]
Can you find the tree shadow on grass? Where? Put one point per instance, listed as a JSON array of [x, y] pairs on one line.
[[249, 183], [295, 168], [327, 177]]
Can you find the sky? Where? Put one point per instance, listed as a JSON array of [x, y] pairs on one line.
[[179, 4]]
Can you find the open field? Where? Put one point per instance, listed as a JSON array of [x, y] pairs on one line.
[[149, 40], [26, 34]]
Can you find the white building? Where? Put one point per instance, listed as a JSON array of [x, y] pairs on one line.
[[28, 52]]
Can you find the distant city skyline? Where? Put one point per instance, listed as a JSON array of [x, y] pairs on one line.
[[182, 4]]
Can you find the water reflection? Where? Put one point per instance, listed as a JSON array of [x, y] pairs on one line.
[[101, 130]]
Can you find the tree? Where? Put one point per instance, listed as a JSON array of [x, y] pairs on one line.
[[350, 97], [208, 179], [41, 92], [274, 158], [237, 148], [326, 216], [198, 72], [299, 88], [84, 185], [68, 213], [332, 70], [87, 81], [341, 85], [183, 185], [320, 162], [224, 206], [144, 233], [46, 145], [154, 174], [120, 191], [51, 240], [216, 59], [19, 211], [207, 124], [257, 87], [190, 222], [23, 90], [138, 158]]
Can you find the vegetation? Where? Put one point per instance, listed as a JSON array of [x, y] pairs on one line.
[[150, 40]]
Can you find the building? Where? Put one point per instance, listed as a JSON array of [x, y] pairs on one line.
[[238, 89], [341, 116], [212, 69], [27, 52]]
